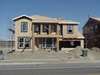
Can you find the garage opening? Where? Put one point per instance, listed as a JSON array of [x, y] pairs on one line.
[[68, 44]]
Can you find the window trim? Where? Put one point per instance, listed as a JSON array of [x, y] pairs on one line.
[[24, 27], [37, 28], [24, 43], [69, 27], [44, 28]]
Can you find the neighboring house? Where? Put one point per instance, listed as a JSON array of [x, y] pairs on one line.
[[91, 31], [41, 32]]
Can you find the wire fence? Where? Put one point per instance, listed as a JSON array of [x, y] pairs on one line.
[[7, 44]]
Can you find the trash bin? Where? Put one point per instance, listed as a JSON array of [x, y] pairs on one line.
[[84, 52]]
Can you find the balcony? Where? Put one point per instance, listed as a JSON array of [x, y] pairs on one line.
[[47, 29]]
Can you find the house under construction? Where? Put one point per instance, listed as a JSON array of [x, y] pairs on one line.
[[41, 32]]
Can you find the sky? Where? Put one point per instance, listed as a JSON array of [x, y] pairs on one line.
[[77, 10]]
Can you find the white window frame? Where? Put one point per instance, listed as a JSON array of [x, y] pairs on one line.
[[24, 26], [69, 28], [24, 42]]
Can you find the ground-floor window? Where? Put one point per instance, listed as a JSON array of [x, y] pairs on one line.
[[48, 42], [24, 42]]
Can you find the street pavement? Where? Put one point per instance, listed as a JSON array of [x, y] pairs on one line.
[[49, 69], [45, 63]]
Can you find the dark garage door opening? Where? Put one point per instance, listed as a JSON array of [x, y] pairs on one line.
[[68, 44]]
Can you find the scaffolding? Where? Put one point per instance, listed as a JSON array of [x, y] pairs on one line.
[[12, 36]]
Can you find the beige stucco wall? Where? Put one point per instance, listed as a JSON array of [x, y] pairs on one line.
[[18, 32], [74, 34]]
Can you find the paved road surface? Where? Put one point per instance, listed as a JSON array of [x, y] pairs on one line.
[[50, 69]]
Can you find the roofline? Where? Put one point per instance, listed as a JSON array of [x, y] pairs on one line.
[[57, 21], [94, 18], [69, 23], [87, 21], [16, 18], [91, 17]]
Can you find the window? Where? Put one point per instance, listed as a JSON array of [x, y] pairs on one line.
[[53, 28], [24, 42], [48, 42], [69, 28], [24, 26], [95, 28], [37, 28], [45, 28]]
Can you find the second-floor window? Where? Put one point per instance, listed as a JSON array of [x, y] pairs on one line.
[[70, 28], [45, 28], [37, 28], [53, 28], [94, 28], [24, 26]]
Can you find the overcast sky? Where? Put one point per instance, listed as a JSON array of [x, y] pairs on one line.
[[77, 10]]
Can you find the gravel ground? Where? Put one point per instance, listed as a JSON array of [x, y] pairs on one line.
[[61, 56]]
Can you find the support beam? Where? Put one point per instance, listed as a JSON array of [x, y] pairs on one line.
[[58, 38], [57, 45], [49, 28], [41, 28], [33, 38]]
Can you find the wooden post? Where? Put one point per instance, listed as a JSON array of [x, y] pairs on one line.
[[57, 38], [57, 44], [33, 38], [49, 28], [41, 28]]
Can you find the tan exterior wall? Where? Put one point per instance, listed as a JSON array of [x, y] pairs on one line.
[[65, 30], [18, 32], [74, 34]]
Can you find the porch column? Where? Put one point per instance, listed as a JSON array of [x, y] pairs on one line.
[[49, 28], [41, 28], [58, 28], [58, 38], [33, 38], [82, 43], [57, 44]]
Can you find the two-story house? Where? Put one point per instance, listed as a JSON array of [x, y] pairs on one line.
[[41, 32], [91, 31]]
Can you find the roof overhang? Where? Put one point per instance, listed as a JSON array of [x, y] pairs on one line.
[[22, 16], [68, 22], [42, 19], [95, 18]]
